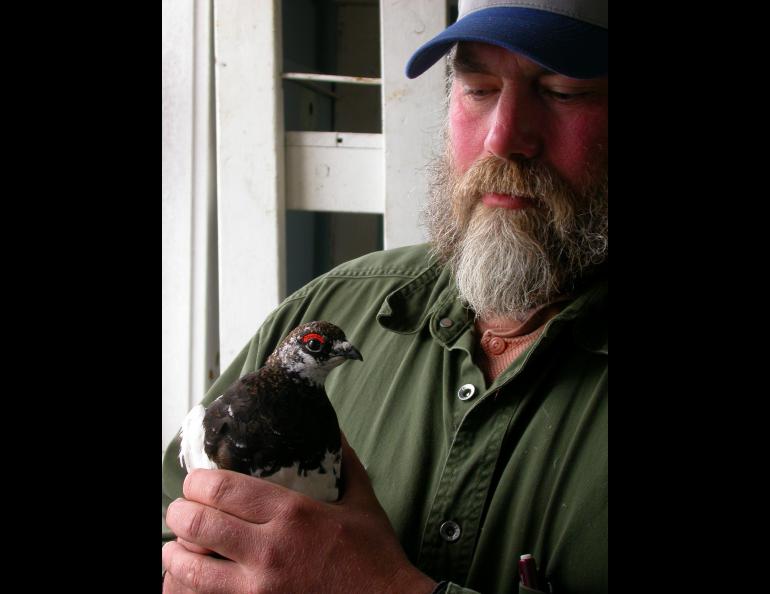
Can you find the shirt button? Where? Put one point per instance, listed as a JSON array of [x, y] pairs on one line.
[[496, 345], [445, 322], [466, 392], [450, 531]]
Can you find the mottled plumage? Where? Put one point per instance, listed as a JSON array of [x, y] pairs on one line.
[[277, 423]]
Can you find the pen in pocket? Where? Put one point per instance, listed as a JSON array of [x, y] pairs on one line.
[[528, 572]]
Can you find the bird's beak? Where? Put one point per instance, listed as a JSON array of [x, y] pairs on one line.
[[348, 351]]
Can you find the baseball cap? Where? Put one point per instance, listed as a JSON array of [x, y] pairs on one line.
[[566, 36]]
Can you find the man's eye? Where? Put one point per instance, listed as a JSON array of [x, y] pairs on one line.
[[477, 93], [563, 97]]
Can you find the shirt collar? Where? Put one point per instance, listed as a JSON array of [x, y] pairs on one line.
[[431, 298], [587, 316], [406, 309]]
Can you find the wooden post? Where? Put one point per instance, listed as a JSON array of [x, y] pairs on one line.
[[411, 112], [250, 167]]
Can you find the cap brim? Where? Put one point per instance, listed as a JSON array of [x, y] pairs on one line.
[[562, 44]]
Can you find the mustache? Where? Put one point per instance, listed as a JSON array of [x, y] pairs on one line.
[[530, 179]]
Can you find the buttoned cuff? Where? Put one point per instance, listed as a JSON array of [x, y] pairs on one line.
[[455, 589]]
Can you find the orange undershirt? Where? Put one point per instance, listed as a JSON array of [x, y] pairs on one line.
[[504, 339]]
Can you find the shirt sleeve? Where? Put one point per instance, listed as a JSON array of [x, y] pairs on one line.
[[452, 588]]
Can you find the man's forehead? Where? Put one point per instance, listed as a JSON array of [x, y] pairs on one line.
[[484, 58]]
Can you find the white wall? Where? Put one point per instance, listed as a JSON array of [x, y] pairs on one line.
[[189, 295]]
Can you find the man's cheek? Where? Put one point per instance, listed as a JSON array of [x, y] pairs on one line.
[[581, 151], [466, 135]]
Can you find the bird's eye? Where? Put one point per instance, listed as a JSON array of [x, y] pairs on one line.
[[314, 342]]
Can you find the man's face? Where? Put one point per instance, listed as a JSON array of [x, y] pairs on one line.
[[505, 105], [519, 201]]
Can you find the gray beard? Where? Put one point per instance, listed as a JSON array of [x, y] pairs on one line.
[[506, 262]]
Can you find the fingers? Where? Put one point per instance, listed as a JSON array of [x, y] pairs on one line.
[[248, 498], [187, 571], [192, 547], [173, 586], [213, 530], [356, 480]]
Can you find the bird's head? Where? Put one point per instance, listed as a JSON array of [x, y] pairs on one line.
[[312, 350]]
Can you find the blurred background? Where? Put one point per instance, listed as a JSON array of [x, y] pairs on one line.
[[292, 142]]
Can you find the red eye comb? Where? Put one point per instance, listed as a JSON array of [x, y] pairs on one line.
[[309, 337]]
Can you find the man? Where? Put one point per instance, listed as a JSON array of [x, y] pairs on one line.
[[479, 418]]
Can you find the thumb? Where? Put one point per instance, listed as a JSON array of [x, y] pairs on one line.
[[357, 487]]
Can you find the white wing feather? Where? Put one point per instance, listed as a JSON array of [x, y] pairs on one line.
[[191, 452]]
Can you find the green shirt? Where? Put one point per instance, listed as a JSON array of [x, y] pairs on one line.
[[518, 467]]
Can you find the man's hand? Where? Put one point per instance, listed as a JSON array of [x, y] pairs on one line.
[[276, 540]]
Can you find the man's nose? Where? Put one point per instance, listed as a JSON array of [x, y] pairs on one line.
[[514, 131]]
